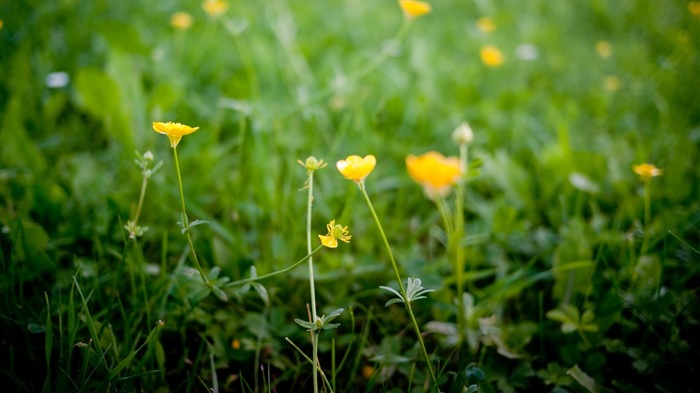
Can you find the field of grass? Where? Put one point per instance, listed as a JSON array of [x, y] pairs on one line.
[[554, 261]]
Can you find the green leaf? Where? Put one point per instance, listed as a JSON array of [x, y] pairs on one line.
[[219, 293], [260, 289], [583, 378], [306, 325], [393, 301]]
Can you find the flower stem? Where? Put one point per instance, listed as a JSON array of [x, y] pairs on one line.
[[361, 184], [185, 221], [311, 276], [295, 264], [647, 215], [457, 238]]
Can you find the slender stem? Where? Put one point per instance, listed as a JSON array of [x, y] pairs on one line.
[[647, 215], [449, 230], [459, 234], [311, 275], [295, 264], [144, 183], [361, 184], [185, 221]]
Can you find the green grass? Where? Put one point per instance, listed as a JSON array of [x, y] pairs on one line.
[[560, 295]]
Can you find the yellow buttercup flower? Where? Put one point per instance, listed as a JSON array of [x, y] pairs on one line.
[[181, 20], [491, 56], [215, 7], [236, 344], [174, 131], [604, 49], [647, 171], [694, 8], [414, 8], [435, 172], [611, 83], [335, 232], [356, 168], [485, 24]]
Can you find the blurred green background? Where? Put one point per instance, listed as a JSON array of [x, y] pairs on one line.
[[586, 90]]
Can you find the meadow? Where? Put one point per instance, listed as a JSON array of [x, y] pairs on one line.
[[349, 196]]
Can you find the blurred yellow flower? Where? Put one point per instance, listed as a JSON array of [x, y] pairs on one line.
[[485, 24], [367, 371], [181, 20], [215, 7], [414, 8], [491, 56], [174, 131], [611, 83], [604, 49], [647, 171], [694, 8], [435, 172], [335, 233], [236, 344], [356, 168], [0, 24]]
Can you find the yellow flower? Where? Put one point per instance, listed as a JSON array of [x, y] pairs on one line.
[[356, 168], [181, 20], [694, 8], [435, 172], [647, 171], [215, 7], [236, 344], [604, 49], [414, 8], [491, 56], [367, 371], [174, 131], [485, 25], [335, 233], [611, 83]]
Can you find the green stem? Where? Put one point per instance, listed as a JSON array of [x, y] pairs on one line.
[[457, 239], [311, 276], [449, 230], [185, 221], [647, 215], [295, 264], [361, 184]]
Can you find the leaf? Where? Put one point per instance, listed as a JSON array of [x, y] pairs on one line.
[[306, 325], [393, 301], [583, 378], [219, 293], [260, 289]]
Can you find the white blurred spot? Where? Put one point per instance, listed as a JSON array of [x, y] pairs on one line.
[[56, 80], [583, 183], [527, 52]]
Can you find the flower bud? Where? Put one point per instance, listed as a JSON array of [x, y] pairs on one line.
[[148, 156], [463, 134]]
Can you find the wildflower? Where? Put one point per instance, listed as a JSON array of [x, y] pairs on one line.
[[312, 163], [435, 172], [463, 134], [356, 168], [485, 25], [611, 83], [181, 20], [491, 56], [174, 131], [367, 371], [647, 171], [604, 49], [414, 8], [236, 344], [215, 7], [335, 232], [694, 8]]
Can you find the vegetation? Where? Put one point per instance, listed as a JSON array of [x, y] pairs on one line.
[[456, 196]]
